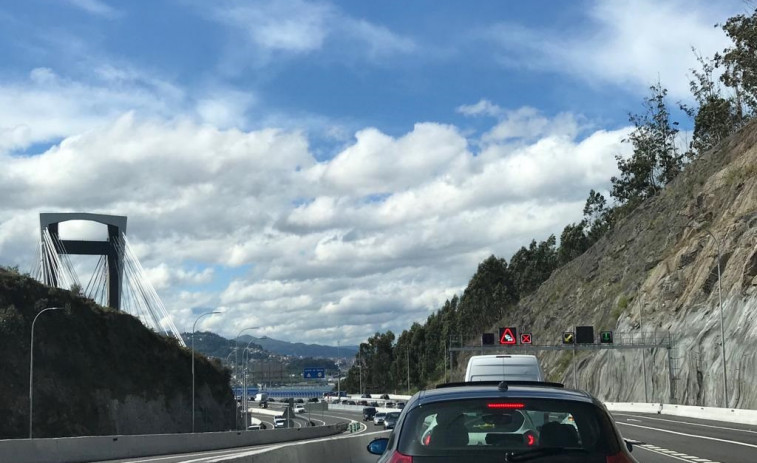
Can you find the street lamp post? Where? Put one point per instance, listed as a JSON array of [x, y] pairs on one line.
[[194, 325], [236, 361], [244, 399], [722, 329], [31, 367]]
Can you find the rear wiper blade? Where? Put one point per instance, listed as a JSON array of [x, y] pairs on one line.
[[541, 452]]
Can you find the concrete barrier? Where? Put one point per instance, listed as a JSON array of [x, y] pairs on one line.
[[342, 449], [96, 448], [729, 415]]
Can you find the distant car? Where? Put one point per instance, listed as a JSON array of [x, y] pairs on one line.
[[351, 402], [368, 413], [281, 422], [374, 404], [255, 427], [524, 421], [313, 399], [391, 420], [299, 408], [400, 405], [378, 418], [366, 396], [384, 396], [362, 402], [299, 401], [390, 405], [271, 399]]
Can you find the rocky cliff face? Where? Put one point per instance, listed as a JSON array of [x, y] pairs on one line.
[[98, 371], [656, 274]]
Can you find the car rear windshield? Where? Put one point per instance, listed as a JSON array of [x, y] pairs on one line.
[[469, 429]]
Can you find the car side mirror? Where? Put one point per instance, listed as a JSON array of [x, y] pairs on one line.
[[378, 446], [630, 443]]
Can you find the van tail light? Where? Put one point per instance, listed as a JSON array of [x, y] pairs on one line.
[[400, 458], [620, 457]]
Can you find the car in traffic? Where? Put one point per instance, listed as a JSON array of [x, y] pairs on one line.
[[391, 419], [368, 413], [378, 418], [513, 421], [504, 368], [299, 408]]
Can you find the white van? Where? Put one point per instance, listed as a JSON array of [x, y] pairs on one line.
[[261, 397], [503, 368]]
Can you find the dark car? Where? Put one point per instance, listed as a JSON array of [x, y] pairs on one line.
[[300, 401], [487, 422], [368, 413], [313, 399], [400, 405], [366, 396], [391, 419], [384, 396]]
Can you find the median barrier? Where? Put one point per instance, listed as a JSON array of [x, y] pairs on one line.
[[729, 415], [342, 449], [96, 448]]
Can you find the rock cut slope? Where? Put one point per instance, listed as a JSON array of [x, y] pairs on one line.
[[655, 273]]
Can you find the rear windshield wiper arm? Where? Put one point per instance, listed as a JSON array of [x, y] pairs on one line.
[[541, 452]]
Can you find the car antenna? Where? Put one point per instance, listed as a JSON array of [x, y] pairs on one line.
[[502, 386]]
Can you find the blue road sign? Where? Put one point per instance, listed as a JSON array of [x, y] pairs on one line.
[[314, 373]]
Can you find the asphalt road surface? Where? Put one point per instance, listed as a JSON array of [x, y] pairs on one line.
[[666, 439], [670, 439]]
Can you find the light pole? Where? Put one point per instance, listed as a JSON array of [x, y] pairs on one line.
[[338, 373], [31, 367], [244, 399], [194, 325], [236, 361], [722, 330]]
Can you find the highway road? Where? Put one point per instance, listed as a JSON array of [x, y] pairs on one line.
[[667, 439], [670, 439]]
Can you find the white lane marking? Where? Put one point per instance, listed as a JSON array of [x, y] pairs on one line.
[[689, 435], [693, 424], [672, 454], [271, 448], [208, 453], [635, 421]]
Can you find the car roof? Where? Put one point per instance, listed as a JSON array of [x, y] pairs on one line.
[[484, 390]]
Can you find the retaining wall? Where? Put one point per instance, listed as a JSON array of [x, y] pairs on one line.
[[95, 448]]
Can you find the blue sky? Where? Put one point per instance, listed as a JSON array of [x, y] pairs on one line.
[[346, 162]]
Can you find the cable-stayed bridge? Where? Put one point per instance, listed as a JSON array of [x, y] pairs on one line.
[[118, 280]]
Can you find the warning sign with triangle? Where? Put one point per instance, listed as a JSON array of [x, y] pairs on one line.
[[507, 336]]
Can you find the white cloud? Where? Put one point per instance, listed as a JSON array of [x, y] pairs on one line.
[[629, 44], [372, 238], [96, 7], [300, 27]]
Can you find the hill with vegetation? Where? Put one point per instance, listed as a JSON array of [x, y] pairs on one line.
[[643, 263], [97, 371]]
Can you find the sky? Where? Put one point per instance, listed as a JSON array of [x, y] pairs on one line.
[[325, 170]]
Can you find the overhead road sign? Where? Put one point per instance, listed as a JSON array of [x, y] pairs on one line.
[[314, 373], [487, 339], [508, 336], [525, 338], [605, 337], [568, 337], [585, 335]]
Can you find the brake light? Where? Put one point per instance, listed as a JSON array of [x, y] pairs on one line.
[[400, 458], [529, 438], [427, 440], [620, 457], [506, 405]]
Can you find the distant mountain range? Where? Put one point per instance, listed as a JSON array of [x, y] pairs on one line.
[[299, 349]]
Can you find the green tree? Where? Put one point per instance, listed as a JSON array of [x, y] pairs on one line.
[[739, 62], [655, 160], [715, 116], [573, 242]]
